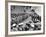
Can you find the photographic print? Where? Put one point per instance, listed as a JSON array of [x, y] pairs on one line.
[[25, 18]]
